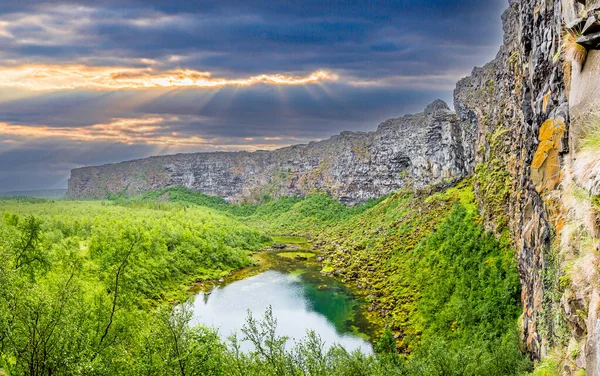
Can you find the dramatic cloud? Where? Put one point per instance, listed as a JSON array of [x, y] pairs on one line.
[[89, 81], [138, 131], [69, 77]]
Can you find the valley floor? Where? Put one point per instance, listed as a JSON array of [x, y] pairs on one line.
[[89, 287]]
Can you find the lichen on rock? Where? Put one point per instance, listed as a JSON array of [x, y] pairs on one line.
[[546, 165]]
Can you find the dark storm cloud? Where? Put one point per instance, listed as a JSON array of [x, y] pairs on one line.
[[392, 57], [242, 37]]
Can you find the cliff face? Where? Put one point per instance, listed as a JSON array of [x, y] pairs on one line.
[[536, 180], [419, 150], [510, 100]]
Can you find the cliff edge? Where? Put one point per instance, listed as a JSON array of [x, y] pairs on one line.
[[414, 150]]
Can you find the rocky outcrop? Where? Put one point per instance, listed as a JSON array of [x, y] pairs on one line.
[[536, 180], [414, 150], [512, 101]]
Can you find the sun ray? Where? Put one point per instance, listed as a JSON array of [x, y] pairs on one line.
[[71, 77]]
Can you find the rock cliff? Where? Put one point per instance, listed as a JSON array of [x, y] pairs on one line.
[[534, 109], [414, 150]]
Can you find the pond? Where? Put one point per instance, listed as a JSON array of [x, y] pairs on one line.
[[301, 298]]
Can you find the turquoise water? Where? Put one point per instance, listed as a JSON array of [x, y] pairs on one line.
[[301, 298]]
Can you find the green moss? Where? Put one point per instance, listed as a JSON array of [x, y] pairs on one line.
[[327, 269], [492, 182], [294, 255], [298, 241]]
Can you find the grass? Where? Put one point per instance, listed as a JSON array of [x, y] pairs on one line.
[[590, 137], [293, 240], [293, 255], [573, 52]]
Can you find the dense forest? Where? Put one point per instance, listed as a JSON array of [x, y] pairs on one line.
[[101, 287]]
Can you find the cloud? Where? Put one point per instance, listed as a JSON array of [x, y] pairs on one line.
[[157, 131], [85, 82], [254, 111], [246, 38], [71, 77]]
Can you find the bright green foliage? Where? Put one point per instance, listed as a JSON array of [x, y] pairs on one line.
[[185, 196], [171, 346], [305, 216], [469, 281], [83, 284], [469, 284], [432, 274], [284, 215], [86, 288]]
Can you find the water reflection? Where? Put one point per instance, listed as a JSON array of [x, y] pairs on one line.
[[301, 300]]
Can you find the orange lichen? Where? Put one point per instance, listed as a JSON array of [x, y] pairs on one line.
[[546, 166], [567, 74], [546, 100]]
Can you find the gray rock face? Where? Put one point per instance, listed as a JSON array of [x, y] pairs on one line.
[[530, 109], [414, 150], [510, 102]]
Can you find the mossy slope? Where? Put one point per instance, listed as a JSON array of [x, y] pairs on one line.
[[423, 262]]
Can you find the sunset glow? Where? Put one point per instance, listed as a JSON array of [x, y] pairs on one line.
[[70, 77], [148, 131]]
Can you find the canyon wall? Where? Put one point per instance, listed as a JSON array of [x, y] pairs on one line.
[[510, 100], [411, 151], [538, 169]]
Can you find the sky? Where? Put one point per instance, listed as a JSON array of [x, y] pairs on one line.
[[93, 82]]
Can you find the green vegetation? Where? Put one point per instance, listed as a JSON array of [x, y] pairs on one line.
[[590, 137], [84, 285], [433, 276], [293, 255], [90, 286], [282, 216], [573, 52]]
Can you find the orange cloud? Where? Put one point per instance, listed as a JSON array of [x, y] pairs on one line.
[[149, 131], [127, 131], [70, 77]]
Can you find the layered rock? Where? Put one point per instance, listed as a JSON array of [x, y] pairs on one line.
[[414, 150], [509, 101], [536, 180]]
